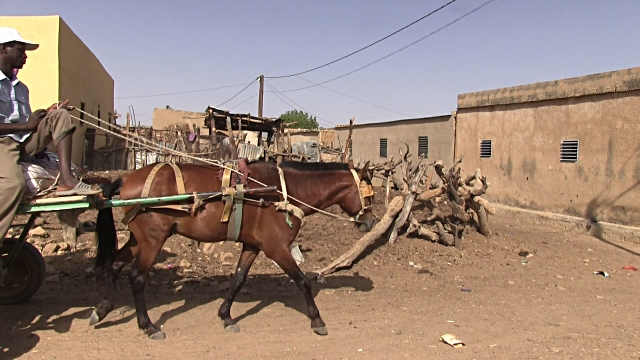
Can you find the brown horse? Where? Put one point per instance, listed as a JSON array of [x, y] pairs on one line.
[[264, 228]]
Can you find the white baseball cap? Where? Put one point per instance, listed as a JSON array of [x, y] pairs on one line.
[[9, 34]]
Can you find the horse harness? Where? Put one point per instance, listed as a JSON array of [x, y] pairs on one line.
[[364, 191], [233, 197], [191, 209], [233, 189]]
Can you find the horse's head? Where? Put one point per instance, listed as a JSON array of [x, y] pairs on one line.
[[359, 200]]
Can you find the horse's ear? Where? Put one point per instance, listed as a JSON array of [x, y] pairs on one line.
[[366, 166], [350, 164]]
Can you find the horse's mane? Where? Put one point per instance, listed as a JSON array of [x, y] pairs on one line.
[[300, 166]]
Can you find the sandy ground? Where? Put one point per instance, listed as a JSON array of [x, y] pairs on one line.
[[394, 303]]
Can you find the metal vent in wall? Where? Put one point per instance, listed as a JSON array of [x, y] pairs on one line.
[[569, 151], [486, 148], [423, 146], [383, 148]]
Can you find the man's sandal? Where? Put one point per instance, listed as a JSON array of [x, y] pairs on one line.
[[80, 189]]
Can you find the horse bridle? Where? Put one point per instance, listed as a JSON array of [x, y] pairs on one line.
[[364, 191]]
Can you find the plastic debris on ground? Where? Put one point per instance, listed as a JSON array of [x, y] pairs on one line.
[[450, 339]]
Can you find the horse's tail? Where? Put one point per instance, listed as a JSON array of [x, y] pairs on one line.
[[106, 230]]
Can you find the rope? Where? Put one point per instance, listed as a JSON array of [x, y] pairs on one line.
[[153, 146]]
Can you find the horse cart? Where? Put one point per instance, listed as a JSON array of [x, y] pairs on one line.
[[24, 266]]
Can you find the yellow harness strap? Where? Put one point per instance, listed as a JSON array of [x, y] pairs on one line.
[[228, 194], [147, 188]]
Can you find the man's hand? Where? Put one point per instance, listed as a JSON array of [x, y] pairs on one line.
[[60, 105], [35, 118]]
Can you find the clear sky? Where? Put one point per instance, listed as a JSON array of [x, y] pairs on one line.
[[158, 47]]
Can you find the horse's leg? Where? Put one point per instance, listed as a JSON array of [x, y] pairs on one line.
[[282, 256], [105, 284], [247, 257], [150, 242]]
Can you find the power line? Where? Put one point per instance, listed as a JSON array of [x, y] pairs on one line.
[[244, 101], [395, 52], [351, 97], [178, 93], [278, 93], [366, 47], [240, 92], [276, 90]]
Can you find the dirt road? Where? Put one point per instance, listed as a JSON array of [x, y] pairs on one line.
[[395, 303]]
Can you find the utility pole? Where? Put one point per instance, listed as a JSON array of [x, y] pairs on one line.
[[261, 96]]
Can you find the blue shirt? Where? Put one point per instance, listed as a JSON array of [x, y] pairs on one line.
[[14, 104]]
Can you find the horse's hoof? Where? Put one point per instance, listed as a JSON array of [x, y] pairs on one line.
[[94, 318], [320, 330], [158, 335], [232, 328]]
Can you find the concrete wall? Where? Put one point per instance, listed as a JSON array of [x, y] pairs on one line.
[[366, 138], [527, 125], [63, 68], [303, 135], [165, 117], [83, 79]]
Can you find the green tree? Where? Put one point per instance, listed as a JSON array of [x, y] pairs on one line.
[[301, 119]]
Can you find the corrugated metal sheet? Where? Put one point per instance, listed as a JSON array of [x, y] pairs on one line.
[[308, 148], [251, 152]]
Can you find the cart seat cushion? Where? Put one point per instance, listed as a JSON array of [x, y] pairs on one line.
[[40, 174]]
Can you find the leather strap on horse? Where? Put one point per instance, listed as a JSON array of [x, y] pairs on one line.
[[227, 195], [363, 191], [233, 229], [284, 205], [147, 188]]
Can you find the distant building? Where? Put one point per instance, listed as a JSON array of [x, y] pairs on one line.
[[63, 68], [168, 116], [557, 145], [377, 142]]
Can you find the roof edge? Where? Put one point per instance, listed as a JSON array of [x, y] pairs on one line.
[[601, 83]]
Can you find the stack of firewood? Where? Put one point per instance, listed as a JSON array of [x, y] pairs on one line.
[[452, 203]]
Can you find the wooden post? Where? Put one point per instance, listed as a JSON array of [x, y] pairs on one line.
[[196, 144], [125, 151], [261, 96], [232, 142], [346, 149], [279, 143], [114, 145], [240, 133], [69, 222]]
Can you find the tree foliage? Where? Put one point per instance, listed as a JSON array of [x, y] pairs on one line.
[[302, 119]]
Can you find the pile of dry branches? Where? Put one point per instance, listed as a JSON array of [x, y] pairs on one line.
[[453, 201]]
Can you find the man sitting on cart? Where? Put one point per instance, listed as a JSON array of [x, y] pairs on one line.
[[25, 133]]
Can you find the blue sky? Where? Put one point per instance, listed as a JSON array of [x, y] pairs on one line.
[[158, 47]]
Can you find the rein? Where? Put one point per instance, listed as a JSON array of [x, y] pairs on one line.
[[153, 146], [363, 191]]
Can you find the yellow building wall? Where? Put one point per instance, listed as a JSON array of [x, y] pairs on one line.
[[64, 68], [83, 79]]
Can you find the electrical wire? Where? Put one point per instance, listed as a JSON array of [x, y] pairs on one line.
[[354, 98], [395, 52], [178, 93], [244, 101], [277, 94], [366, 47], [240, 92]]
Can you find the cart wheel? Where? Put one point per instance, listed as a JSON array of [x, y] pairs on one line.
[[24, 276]]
